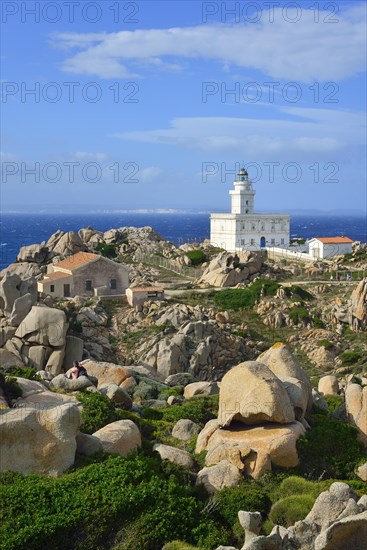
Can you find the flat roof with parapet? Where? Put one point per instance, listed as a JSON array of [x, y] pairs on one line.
[[147, 289]]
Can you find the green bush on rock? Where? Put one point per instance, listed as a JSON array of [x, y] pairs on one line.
[[290, 509], [87, 508], [330, 449]]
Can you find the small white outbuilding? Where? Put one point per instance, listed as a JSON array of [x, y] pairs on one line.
[[136, 296], [327, 247]]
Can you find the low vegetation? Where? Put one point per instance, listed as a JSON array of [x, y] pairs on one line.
[[241, 298]]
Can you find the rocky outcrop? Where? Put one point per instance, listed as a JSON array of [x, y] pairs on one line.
[[338, 520], [106, 373], [45, 326], [261, 416], [356, 407], [227, 270], [358, 307], [199, 347], [250, 393], [283, 364], [38, 440]]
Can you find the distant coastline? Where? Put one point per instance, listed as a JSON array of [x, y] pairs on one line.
[[20, 229]]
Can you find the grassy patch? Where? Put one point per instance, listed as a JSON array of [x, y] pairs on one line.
[[240, 298]]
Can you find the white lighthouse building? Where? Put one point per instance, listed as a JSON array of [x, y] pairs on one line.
[[243, 229]]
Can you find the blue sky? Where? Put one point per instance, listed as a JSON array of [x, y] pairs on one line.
[[153, 105]]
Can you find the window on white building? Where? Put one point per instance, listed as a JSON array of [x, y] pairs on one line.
[[281, 241], [253, 227], [262, 227], [52, 288], [242, 242], [246, 203], [252, 242], [272, 242]]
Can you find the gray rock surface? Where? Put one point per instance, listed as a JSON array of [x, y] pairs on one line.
[[185, 429], [177, 456]]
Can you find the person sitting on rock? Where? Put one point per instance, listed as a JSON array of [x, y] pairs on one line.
[[77, 370]]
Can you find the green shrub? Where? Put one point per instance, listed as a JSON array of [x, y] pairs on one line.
[[239, 298], [247, 496], [197, 257], [27, 372], [179, 545], [98, 411], [199, 409], [87, 508], [299, 314], [297, 292], [350, 357], [290, 509], [296, 485], [334, 402], [107, 250], [330, 449], [209, 534], [317, 322], [325, 344], [10, 388]]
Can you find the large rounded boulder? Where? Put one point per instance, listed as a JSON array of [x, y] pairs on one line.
[[251, 393]]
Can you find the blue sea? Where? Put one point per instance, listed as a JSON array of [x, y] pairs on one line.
[[17, 230]]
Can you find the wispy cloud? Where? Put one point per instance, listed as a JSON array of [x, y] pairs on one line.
[[304, 51], [307, 134]]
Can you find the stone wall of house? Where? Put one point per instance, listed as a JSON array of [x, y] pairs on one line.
[[100, 273]]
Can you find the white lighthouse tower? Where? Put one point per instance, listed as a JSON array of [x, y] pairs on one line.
[[243, 194], [243, 229]]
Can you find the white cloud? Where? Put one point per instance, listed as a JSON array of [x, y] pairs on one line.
[[306, 134], [97, 157], [303, 51]]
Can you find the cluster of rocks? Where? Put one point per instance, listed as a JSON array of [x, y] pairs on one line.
[[226, 269], [31, 333], [338, 520], [197, 340], [32, 260], [262, 408], [354, 313]]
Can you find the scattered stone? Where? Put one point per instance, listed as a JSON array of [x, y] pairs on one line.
[[179, 379], [177, 456], [118, 395], [219, 476], [328, 385], [185, 429], [362, 472], [87, 444], [121, 437], [201, 388]]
